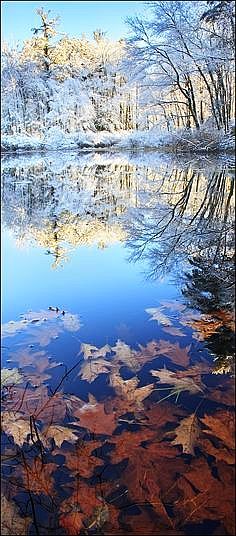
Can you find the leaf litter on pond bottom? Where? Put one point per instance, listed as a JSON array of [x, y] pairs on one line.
[[156, 474]]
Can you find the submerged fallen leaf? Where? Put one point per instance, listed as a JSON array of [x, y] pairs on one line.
[[174, 352], [93, 417], [91, 369], [128, 390], [59, 434], [156, 314], [124, 355], [141, 473], [220, 453], [158, 415], [184, 383], [80, 461], [76, 509], [88, 350], [103, 351], [204, 496], [224, 393], [14, 425], [222, 426], [147, 353], [147, 522], [187, 433], [72, 521], [38, 403], [128, 443], [37, 476]]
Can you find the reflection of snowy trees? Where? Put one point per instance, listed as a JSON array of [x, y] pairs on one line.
[[196, 219], [62, 205], [172, 208]]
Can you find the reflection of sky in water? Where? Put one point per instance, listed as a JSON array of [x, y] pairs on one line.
[[101, 286]]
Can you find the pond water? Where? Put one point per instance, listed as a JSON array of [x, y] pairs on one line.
[[117, 344]]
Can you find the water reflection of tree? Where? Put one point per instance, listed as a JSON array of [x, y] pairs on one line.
[[61, 209], [203, 235], [196, 219], [210, 287]]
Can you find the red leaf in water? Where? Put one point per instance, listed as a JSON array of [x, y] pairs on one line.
[[80, 460], [178, 355], [79, 507], [37, 476], [72, 521], [128, 443], [39, 403], [93, 417], [174, 352], [221, 426], [140, 477]]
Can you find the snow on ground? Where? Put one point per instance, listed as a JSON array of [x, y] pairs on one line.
[[178, 141]]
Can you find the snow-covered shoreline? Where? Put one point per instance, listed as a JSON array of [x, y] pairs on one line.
[[179, 141]]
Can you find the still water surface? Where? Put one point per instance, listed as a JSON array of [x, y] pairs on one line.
[[121, 266]]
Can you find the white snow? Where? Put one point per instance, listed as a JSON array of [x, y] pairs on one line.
[[176, 141]]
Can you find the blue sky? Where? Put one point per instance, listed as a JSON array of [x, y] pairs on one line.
[[18, 17]]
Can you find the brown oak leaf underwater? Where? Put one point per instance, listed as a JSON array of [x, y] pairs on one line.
[[124, 355], [91, 369], [58, 434], [93, 417], [187, 433], [221, 425], [13, 424], [176, 354], [37, 476], [128, 390], [76, 511], [80, 461], [141, 473], [181, 382]]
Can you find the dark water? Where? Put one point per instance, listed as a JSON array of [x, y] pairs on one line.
[[117, 267]]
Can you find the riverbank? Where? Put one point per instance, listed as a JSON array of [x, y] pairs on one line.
[[178, 142]]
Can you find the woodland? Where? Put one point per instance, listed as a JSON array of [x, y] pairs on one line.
[[171, 83]]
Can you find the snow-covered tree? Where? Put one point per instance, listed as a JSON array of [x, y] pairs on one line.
[[183, 65]]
